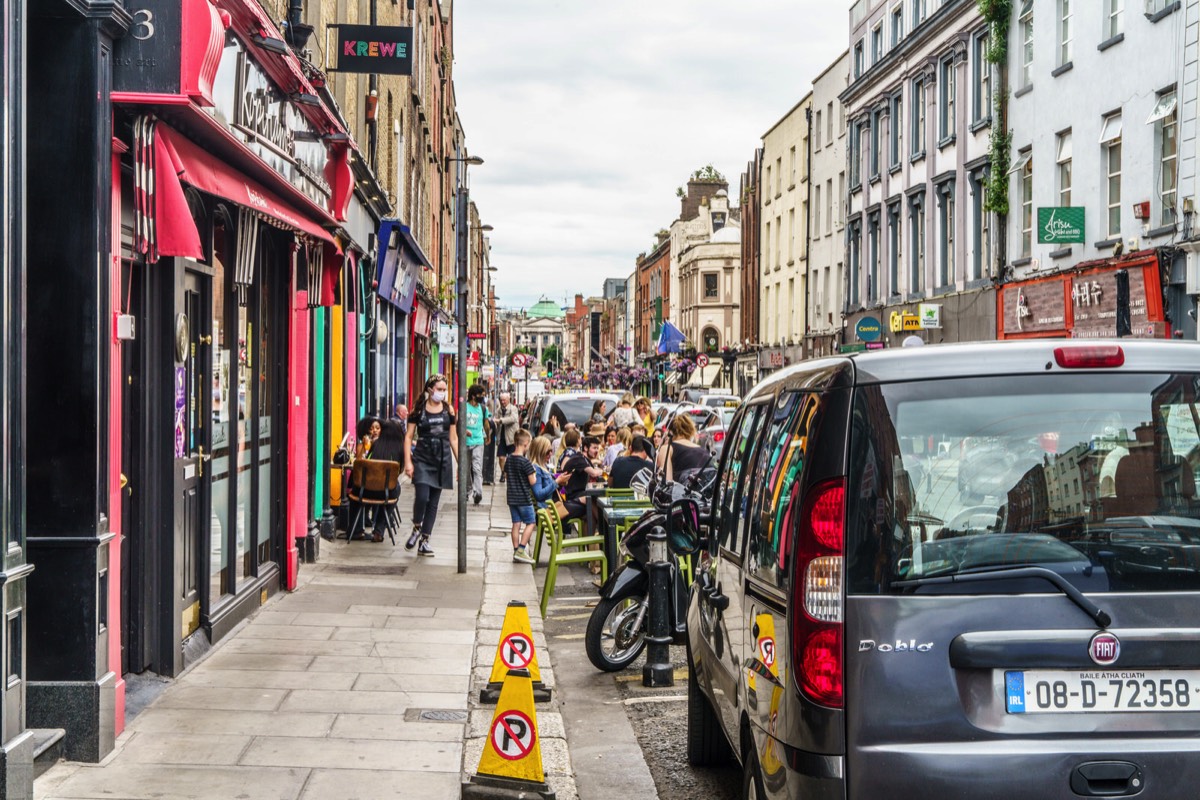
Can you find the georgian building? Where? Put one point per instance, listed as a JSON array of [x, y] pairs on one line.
[[1095, 184], [653, 295], [919, 115], [827, 181]]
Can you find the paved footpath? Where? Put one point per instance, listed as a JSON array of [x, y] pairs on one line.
[[321, 693]]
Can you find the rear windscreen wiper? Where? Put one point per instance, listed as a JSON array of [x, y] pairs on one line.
[[1006, 573]]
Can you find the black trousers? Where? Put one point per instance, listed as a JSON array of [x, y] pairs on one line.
[[489, 462], [425, 506]]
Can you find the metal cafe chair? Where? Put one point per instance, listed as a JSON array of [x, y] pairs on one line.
[[376, 484]]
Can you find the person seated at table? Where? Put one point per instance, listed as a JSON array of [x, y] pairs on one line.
[[638, 457], [570, 447], [577, 471], [388, 447], [618, 444], [682, 455], [545, 489], [366, 433]]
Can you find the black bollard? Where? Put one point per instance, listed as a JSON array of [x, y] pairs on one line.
[[658, 670]]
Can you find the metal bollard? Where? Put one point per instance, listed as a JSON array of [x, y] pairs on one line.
[[658, 670]]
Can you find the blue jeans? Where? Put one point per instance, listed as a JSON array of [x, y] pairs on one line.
[[523, 514]]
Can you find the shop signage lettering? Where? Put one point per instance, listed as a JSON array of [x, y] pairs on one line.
[[1082, 305], [868, 329], [1034, 307], [1060, 225], [384, 50], [261, 111], [930, 315], [901, 321]]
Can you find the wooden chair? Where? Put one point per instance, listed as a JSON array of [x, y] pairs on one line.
[[376, 484], [559, 547]]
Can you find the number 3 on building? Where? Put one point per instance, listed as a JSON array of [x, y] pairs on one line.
[[143, 24]]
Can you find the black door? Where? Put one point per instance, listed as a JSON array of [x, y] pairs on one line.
[[191, 440]]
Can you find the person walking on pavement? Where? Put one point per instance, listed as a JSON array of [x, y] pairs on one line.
[[429, 463], [624, 416], [401, 416], [521, 479], [507, 423], [477, 417]]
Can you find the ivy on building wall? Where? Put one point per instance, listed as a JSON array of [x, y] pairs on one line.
[[998, 15]]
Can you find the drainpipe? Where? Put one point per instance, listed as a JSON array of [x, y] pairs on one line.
[[372, 103]]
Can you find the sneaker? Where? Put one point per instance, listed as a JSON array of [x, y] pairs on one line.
[[521, 554], [412, 540], [478, 497], [425, 549]]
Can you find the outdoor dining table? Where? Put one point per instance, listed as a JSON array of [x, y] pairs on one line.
[[612, 517]]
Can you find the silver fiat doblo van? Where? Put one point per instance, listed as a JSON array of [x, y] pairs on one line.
[[963, 571]]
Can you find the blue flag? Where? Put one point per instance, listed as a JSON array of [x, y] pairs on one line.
[[670, 338]]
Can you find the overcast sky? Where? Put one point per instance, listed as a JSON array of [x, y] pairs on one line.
[[589, 115]]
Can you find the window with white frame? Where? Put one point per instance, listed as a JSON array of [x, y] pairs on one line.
[[1024, 171], [897, 24], [779, 176], [767, 261], [1165, 120], [858, 59], [710, 286], [981, 253], [896, 131], [1110, 146], [1063, 159], [982, 74], [816, 221], [1026, 19], [817, 130], [947, 90], [916, 260], [1155, 6], [841, 199], [918, 13], [1114, 18], [946, 223], [917, 115], [1064, 32], [877, 43], [829, 123], [829, 200], [792, 158]]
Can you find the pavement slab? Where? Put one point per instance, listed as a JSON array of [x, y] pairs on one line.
[[320, 695]]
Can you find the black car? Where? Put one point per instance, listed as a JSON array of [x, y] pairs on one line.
[[959, 571]]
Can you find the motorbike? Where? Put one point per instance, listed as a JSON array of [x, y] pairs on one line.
[[616, 630]]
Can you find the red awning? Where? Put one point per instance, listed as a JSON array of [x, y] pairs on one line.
[[210, 174]]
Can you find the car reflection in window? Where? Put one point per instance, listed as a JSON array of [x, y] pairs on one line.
[[1091, 476]]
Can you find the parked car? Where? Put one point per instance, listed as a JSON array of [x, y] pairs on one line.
[[712, 435], [573, 407], [881, 611], [720, 401]]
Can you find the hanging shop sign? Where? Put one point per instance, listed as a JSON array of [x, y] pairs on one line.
[[170, 49], [1061, 225], [372, 49], [930, 315]]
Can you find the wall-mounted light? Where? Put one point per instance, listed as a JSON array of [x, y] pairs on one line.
[[270, 43], [372, 104]]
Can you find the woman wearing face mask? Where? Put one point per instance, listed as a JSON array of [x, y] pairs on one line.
[[430, 462]]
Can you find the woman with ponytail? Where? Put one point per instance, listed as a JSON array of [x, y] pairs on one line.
[[429, 463]]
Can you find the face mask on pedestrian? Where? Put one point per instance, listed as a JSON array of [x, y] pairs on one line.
[[439, 397]]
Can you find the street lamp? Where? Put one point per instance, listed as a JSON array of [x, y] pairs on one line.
[[461, 245]]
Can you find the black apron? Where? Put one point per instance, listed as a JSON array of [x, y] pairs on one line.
[[432, 462]]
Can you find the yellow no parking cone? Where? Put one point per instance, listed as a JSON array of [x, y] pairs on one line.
[[511, 765], [515, 651]]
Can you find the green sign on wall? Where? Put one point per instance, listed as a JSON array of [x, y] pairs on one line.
[[1060, 225]]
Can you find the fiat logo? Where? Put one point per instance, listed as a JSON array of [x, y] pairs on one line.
[[1105, 649]]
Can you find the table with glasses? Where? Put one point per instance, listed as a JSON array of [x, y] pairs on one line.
[[613, 517]]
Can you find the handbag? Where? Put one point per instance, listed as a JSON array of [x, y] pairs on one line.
[[561, 508], [344, 456]]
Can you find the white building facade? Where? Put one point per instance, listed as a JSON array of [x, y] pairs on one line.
[[827, 179], [919, 114]]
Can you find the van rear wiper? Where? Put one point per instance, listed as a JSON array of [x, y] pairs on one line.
[[1007, 573]]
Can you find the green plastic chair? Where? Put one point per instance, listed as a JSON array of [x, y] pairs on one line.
[[618, 492], [568, 550]]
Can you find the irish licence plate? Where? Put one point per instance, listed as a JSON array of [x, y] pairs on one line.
[[1081, 691]]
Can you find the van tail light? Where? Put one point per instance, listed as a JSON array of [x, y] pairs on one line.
[[817, 619], [718, 436], [1092, 356]]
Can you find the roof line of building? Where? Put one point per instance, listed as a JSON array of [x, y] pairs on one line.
[[807, 96]]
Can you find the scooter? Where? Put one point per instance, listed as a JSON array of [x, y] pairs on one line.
[[616, 631]]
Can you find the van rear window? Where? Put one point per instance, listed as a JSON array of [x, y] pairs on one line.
[[1088, 475]]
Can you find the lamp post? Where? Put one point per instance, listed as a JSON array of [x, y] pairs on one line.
[[462, 223]]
